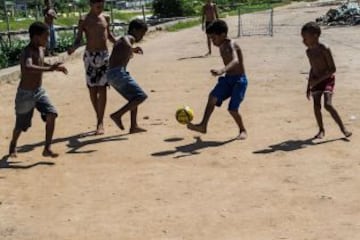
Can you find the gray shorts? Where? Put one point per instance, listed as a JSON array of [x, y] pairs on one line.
[[25, 103], [121, 80]]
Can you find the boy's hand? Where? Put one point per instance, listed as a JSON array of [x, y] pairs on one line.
[[62, 69], [138, 50], [71, 50], [216, 72], [57, 67], [308, 94]]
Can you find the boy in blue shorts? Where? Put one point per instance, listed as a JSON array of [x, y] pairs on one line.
[[121, 80], [232, 85], [30, 94]]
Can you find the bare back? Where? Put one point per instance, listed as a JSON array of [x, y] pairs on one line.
[[229, 51], [321, 61], [210, 12], [96, 31], [122, 52], [31, 80]]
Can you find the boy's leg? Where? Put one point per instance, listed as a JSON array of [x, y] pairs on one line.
[[330, 108], [318, 115], [209, 45], [13, 142], [238, 119], [98, 99], [202, 126], [49, 132], [130, 106], [134, 128]]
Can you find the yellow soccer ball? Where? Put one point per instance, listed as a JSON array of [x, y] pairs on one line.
[[184, 115]]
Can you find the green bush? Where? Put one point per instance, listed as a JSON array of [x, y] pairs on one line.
[[10, 53], [175, 8]]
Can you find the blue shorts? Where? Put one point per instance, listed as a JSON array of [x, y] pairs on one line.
[[25, 103], [121, 80], [233, 86]]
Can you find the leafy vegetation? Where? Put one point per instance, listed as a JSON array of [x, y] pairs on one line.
[[10, 53]]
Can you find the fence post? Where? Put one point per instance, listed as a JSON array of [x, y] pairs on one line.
[[7, 22]]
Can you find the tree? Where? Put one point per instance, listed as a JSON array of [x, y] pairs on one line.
[[169, 8]]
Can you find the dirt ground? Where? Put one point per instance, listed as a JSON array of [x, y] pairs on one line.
[[170, 183]]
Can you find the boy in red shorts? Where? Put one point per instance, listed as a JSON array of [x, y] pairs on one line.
[[321, 77]]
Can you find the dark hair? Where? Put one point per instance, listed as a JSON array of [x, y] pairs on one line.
[[217, 27], [311, 27], [37, 29], [137, 24]]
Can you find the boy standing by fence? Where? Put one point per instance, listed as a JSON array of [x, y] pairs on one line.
[[209, 14], [96, 27], [49, 16], [30, 94]]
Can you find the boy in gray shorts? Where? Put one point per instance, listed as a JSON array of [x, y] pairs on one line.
[[121, 80], [30, 94]]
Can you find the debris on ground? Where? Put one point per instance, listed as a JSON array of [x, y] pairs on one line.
[[346, 14]]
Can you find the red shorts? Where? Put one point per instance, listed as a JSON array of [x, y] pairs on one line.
[[327, 85]]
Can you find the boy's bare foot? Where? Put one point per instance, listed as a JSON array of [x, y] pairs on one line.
[[49, 153], [320, 135], [347, 133], [137, 130], [242, 135], [117, 121], [12, 150], [196, 127], [100, 129]]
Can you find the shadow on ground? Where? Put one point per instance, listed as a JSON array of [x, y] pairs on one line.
[[192, 148], [75, 142], [292, 145], [5, 163]]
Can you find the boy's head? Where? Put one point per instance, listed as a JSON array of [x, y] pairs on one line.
[[217, 31], [137, 28], [97, 6], [310, 32], [39, 33]]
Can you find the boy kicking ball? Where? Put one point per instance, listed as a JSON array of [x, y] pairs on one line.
[[232, 85]]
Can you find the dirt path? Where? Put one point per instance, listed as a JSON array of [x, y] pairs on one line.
[[170, 183]]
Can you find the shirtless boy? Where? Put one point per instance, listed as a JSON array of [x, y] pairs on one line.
[[30, 94], [121, 80], [321, 78], [232, 85], [209, 14], [96, 27]]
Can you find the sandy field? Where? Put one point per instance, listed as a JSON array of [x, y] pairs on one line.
[[170, 183]]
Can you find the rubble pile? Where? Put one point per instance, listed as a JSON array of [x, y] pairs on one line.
[[345, 14]]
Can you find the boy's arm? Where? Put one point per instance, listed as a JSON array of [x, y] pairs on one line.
[[79, 37], [216, 11], [203, 18], [33, 68], [110, 33]]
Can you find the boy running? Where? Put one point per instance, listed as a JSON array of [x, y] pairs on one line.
[[121, 80], [30, 94], [232, 85], [96, 57], [321, 77]]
